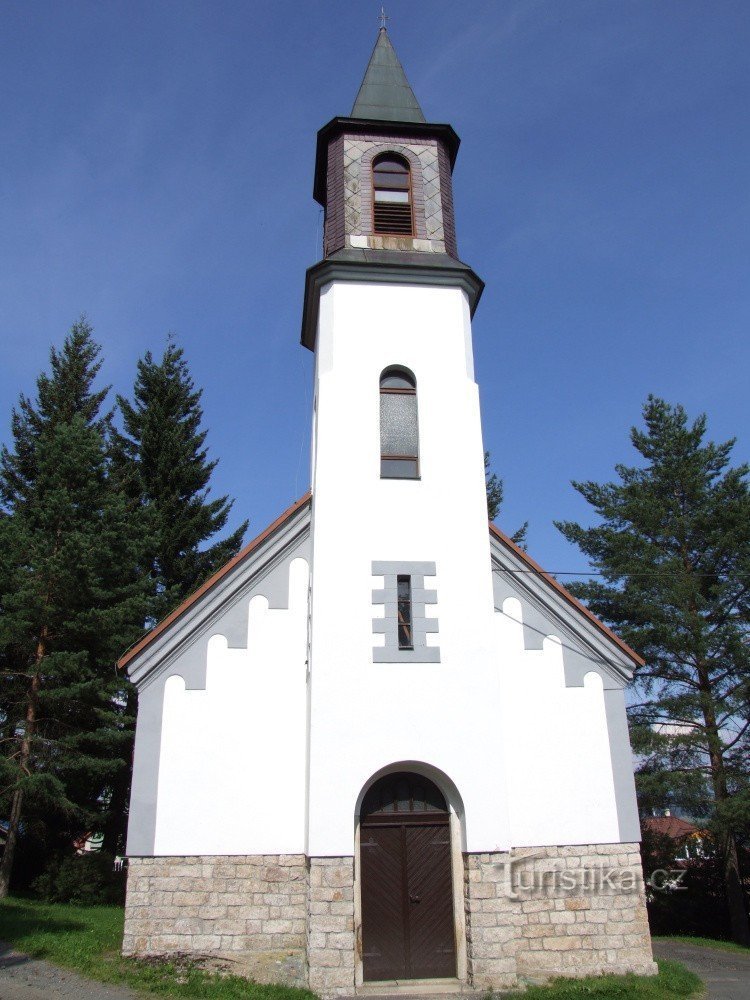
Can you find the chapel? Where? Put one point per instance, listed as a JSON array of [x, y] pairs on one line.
[[381, 750]]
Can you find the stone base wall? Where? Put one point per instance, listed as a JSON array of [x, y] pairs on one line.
[[246, 914], [530, 914], [330, 941], [563, 911]]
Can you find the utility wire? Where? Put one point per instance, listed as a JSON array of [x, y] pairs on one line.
[[571, 572], [597, 660]]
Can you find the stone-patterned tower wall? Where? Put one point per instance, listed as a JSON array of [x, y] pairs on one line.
[[349, 197]]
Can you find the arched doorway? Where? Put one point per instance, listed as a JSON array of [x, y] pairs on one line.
[[408, 929]]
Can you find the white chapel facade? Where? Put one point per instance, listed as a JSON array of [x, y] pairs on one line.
[[381, 745]]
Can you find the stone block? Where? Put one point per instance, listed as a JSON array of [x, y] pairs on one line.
[[323, 958], [277, 927], [562, 917], [561, 943], [577, 903], [343, 941], [324, 978], [334, 924]]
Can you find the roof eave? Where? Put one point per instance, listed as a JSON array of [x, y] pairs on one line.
[[128, 658], [631, 654]]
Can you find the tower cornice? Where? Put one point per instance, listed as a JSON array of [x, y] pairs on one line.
[[393, 267], [366, 126]]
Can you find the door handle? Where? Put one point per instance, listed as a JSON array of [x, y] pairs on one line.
[[414, 898]]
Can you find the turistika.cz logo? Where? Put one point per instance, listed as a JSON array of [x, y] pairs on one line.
[[523, 879]]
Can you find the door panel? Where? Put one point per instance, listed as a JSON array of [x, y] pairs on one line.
[[407, 901], [384, 931], [431, 934]]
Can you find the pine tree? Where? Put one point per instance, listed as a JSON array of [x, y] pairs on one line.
[[70, 600], [163, 461], [673, 549], [495, 496]]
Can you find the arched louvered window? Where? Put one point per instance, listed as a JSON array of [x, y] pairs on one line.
[[399, 432], [402, 792], [391, 193]]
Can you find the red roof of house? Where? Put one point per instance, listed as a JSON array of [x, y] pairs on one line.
[[670, 826]]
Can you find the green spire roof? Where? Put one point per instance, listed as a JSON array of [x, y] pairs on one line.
[[385, 94]]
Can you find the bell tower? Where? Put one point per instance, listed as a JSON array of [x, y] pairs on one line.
[[402, 613], [387, 130], [383, 177]]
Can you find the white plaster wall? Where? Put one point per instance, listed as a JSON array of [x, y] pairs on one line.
[[365, 716], [560, 783], [232, 767], [529, 757]]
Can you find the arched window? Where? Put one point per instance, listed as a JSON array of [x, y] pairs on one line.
[[402, 792], [391, 193], [399, 434]]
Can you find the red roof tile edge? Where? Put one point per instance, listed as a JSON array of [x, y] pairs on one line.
[[147, 639], [164, 624], [501, 536]]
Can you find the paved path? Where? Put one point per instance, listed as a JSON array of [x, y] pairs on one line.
[[24, 978], [725, 973]]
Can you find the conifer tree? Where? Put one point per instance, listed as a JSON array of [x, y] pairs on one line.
[[673, 548], [70, 600], [164, 463], [495, 496]]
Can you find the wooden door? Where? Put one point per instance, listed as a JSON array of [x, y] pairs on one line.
[[407, 894], [432, 952]]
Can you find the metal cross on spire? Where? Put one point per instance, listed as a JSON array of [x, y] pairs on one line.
[[383, 17]]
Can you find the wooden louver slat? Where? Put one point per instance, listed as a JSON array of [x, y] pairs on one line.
[[393, 218]]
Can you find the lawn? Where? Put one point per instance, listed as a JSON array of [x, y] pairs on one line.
[[674, 982], [87, 939], [706, 943]]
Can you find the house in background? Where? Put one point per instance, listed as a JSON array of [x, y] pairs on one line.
[[369, 748], [688, 839]]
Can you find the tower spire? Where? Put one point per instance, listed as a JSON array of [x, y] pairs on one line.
[[385, 94]]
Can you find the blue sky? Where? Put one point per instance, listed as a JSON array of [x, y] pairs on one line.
[[156, 174]]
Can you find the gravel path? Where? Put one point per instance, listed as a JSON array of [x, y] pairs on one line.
[[24, 978], [725, 973]]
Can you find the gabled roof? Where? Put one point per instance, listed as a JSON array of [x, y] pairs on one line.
[[550, 581], [670, 826], [212, 581], [385, 94], [253, 547]]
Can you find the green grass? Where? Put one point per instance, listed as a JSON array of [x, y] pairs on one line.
[[705, 943], [674, 982], [88, 938]]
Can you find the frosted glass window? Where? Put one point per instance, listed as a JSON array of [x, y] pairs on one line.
[[399, 429], [398, 423]]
